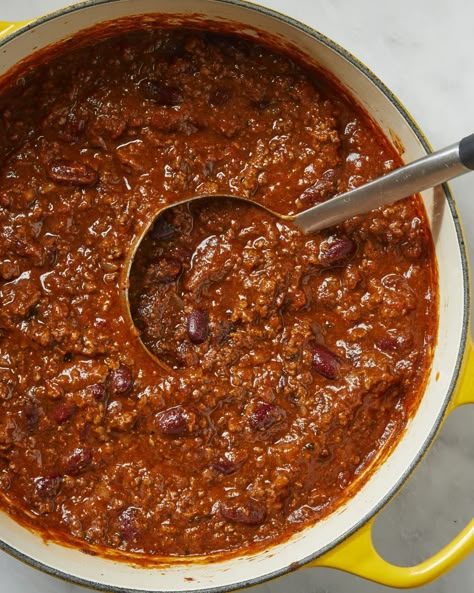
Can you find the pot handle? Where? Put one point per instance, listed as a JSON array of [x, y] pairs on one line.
[[358, 555], [7, 28], [465, 392]]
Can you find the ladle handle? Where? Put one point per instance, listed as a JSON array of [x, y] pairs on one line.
[[426, 172], [466, 151]]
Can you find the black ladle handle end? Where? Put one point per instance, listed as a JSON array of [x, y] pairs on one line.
[[466, 151]]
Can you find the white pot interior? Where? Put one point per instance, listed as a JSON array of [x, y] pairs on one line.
[[452, 329]]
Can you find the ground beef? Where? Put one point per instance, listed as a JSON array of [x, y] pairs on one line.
[[283, 363]]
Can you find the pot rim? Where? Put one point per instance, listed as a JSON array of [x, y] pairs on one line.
[[410, 121]]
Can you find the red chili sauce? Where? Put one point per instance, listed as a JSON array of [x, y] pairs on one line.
[[295, 360]]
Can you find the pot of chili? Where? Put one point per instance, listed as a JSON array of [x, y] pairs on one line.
[[305, 377]]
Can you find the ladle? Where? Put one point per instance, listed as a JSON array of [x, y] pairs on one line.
[[429, 171], [434, 169]]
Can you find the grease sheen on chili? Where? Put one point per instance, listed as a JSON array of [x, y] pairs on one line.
[[297, 359]]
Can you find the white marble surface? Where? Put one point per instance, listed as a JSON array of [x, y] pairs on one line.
[[423, 50]]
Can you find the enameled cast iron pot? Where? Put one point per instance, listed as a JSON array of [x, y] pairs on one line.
[[343, 539]]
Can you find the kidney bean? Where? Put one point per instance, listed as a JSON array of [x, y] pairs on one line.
[[244, 510], [263, 415], [48, 486], [64, 412], [198, 326], [71, 172], [391, 343], [311, 196], [325, 362], [121, 380], [161, 93], [387, 344], [225, 466], [78, 461], [337, 250], [177, 421], [98, 391], [323, 188], [128, 524]]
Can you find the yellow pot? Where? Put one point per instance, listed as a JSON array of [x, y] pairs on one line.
[[343, 539]]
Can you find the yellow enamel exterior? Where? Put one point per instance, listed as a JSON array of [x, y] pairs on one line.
[[465, 391], [357, 554], [9, 28]]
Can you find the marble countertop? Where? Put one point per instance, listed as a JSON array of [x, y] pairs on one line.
[[423, 50]]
